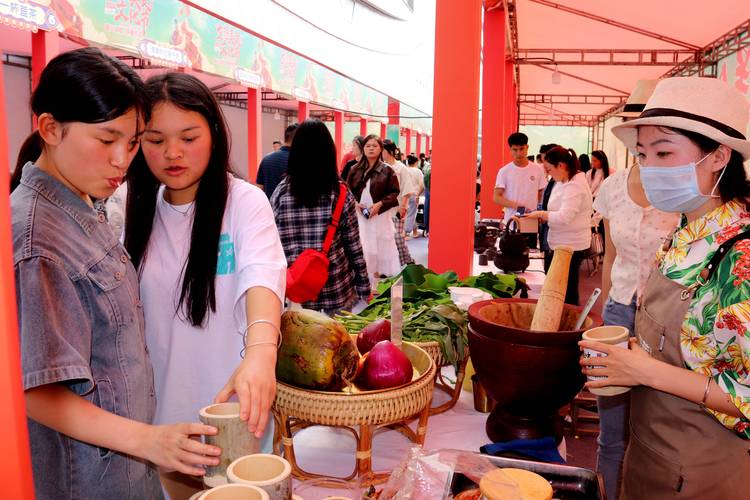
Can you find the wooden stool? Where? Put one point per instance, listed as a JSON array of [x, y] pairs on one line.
[[583, 416]]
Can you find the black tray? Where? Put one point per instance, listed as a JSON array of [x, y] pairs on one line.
[[568, 483]]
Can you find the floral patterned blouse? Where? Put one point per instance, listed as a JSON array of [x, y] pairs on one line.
[[715, 335]]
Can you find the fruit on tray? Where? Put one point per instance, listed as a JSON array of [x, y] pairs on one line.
[[377, 331], [385, 366], [316, 352]]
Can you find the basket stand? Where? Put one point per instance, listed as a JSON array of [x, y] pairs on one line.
[[363, 434], [453, 391]]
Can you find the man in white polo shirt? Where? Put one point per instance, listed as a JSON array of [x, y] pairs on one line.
[[520, 183]]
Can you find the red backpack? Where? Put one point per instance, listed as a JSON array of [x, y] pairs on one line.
[[308, 274]]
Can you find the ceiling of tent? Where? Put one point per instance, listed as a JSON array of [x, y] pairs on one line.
[[610, 33]]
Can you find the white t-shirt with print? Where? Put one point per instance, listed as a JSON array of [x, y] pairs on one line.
[[192, 364], [522, 185]]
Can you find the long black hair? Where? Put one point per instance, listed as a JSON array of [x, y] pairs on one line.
[[198, 292], [311, 169], [584, 163], [603, 161], [83, 85]]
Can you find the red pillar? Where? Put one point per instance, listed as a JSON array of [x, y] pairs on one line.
[[493, 133], [15, 460], [338, 121], [254, 147], [419, 143], [508, 126], [383, 130], [394, 111], [408, 141], [514, 106], [427, 147], [303, 111], [44, 46], [363, 127], [458, 29]]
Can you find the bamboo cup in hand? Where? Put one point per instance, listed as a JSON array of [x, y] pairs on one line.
[[549, 307], [234, 439]]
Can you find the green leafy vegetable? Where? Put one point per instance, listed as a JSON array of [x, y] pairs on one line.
[[429, 313]]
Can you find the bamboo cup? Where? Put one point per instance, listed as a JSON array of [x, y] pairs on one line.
[[233, 438], [549, 307], [234, 492], [612, 335], [268, 472]]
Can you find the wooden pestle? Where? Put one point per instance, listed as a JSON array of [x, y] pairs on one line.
[[549, 307]]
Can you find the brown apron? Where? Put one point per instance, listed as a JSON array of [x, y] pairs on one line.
[[676, 449]]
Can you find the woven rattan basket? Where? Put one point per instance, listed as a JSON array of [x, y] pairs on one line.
[[433, 349], [364, 408]]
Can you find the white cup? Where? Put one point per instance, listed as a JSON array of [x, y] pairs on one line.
[[613, 335]]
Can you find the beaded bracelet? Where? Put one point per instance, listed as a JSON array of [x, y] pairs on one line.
[[702, 404]]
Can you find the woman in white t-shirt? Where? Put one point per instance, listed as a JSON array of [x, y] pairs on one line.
[[211, 265], [569, 212], [633, 232]]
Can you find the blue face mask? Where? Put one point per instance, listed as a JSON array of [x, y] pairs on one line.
[[675, 189]]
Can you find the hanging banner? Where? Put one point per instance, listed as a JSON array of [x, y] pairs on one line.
[[173, 34]]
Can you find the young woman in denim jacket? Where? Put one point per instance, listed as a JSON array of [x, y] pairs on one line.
[[211, 266], [86, 371]]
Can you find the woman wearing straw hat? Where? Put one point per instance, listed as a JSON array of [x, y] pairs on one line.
[[689, 365], [633, 232]]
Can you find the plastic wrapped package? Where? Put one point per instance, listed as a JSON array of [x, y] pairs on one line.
[[427, 475]]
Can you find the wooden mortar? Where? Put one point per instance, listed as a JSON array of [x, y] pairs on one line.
[[552, 297]]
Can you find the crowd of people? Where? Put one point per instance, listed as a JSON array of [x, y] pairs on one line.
[[116, 330]]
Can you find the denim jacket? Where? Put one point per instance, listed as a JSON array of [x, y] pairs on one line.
[[81, 325]]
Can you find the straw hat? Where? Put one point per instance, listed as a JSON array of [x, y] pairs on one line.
[[637, 100], [706, 106]]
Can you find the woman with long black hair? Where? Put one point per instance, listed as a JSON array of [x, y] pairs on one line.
[[212, 269], [303, 205]]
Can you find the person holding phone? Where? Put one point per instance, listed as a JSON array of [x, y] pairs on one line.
[[520, 182], [375, 187]]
